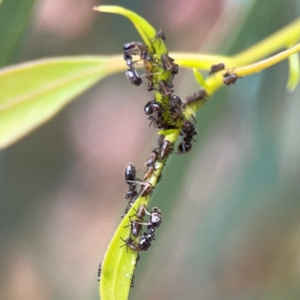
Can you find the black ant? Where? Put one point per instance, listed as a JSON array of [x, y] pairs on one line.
[[130, 47], [132, 194], [154, 111], [184, 147], [216, 68], [142, 243], [133, 77], [175, 107], [155, 219], [229, 78], [130, 173], [168, 63], [188, 132], [136, 227]]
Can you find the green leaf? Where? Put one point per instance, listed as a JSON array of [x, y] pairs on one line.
[[146, 31], [294, 72], [119, 262], [199, 78], [32, 93]]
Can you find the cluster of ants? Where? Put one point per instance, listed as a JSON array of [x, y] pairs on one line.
[[164, 113]]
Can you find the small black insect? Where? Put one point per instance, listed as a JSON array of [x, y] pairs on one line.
[[165, 88], [165, 149], [132, 280], [99, 272], [153, 158], [188, 130], [198, 96], [175, 107], [146, 189], [149, 172], [155, 217], [216, 68], [160, 34], [168, 63], [160, 140], [229, 78]]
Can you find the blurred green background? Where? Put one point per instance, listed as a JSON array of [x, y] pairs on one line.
[[231, 206]]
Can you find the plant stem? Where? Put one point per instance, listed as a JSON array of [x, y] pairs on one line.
[[281, 39], [266, 63]]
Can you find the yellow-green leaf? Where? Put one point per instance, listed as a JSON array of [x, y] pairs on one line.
[[199, 78], [32, 93], [294, 72], [146, 31], [119, 262]]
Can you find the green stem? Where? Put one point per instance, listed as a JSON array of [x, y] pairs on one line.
[[199, 61], [279, 40], [266, 63]]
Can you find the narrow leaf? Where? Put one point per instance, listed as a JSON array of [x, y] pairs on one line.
[[199, 78], [146, 31], [119, 262], [32, 93], [294, 72]]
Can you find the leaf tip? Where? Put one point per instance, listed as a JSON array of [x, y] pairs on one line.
[[97, 8]]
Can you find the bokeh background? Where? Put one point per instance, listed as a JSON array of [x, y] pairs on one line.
[[231, 206]]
